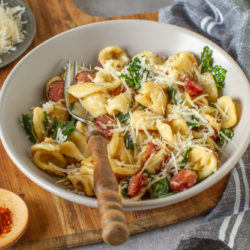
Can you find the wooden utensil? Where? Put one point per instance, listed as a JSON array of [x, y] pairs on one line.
[[114, 227], [113, 221]]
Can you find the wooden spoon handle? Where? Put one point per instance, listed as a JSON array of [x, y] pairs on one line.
[[114, 226]]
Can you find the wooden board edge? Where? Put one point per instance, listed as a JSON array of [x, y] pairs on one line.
[[93, 236], [139, 226]]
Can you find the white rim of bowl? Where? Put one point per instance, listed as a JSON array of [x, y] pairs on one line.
[[129, 205]]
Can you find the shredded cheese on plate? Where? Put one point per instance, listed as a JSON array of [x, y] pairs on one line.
[[10, 28]]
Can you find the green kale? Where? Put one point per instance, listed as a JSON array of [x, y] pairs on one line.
[[218, 72], [45, 120], [140, 106], [212, 105], [53, 130], [128, 141], [123, 117], [135, 73], [72, 119], [207, 60], [185, 155], [27, 123], [194, 124], [66, 127], [124, 188], [219, 76], [132, 104], [160, 188], [221, 140], [172, 94]]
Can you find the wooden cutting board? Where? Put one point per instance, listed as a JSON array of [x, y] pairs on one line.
[[55, 222]]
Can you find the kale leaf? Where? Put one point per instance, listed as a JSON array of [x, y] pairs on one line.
[[45, 120], [123, 117], [124, 188], [221, 140], [140, 106], [219, 76], [53, 130], [218, 72], [185, 155], [66, 128], [135, 73], [160, 188], [128, 141], [212, 105], [172, 94], [207, 60], [194, 124], [27, 123]]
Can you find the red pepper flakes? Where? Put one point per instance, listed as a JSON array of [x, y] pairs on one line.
[[5, 221]]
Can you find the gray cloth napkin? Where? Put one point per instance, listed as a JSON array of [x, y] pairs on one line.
[[227, 23]]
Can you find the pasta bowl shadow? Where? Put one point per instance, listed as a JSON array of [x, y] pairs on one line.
[[24, 88]]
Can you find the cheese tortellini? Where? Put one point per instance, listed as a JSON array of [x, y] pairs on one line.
[[119, 103], [107, 80], [184, 62], [165, 131], [229, 111], [153, 97], [141, 120], [83, 178], [114, 55], [92, 97], [203, 161], [47, 156], [163, 118]]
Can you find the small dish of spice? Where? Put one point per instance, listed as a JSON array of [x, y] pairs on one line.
[[13, 218]]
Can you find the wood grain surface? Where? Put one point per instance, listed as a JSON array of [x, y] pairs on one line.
[[55, 222]]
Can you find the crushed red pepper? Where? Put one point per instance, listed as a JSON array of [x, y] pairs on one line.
[[5, 221]]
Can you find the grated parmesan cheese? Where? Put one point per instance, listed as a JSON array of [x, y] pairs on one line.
[[142, 131], [10, 27], [48, 107], [60, 137]]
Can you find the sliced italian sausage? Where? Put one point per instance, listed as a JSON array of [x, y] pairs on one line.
[[185, 179], [56, 91], [85, 76], [136, 183], [105, 123]]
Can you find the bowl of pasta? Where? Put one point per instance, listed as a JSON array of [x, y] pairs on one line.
[[172, 104]]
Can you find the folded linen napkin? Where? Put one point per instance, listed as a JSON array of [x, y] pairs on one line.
[[226, 22]]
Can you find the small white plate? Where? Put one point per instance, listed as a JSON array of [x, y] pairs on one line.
[[29, 28]]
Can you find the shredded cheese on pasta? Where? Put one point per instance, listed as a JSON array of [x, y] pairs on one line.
[[154, 137]]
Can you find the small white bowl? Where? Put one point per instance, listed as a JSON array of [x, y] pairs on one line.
[[19, 217], [25, 85]]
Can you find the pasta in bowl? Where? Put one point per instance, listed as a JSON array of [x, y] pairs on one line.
[[163, 117], [25, 86]]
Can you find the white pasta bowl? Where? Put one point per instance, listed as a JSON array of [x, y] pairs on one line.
[[24, 88]]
